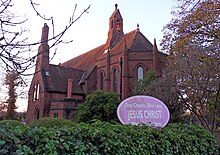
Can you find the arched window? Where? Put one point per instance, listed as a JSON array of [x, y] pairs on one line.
[[115, 80], [118, 25], [101, 81], [140, 73], [37, 113], [36, 92]]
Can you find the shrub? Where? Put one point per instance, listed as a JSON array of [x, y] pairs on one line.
[[105, 138], [50, 122], [141, 85], [10, 124], [9, 131], [99, 105]]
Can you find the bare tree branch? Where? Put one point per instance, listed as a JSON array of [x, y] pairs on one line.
[[15, 51]]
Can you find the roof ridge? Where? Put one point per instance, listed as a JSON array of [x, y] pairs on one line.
[[135, 33], [76, 69]]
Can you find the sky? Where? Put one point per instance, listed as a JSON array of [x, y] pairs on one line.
[[91, 30]]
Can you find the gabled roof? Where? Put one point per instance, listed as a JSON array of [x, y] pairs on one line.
[[134, 40], [56, 79], [116, 13], [140, 42]]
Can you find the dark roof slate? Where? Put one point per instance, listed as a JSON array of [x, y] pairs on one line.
[[140, 42], [116, 13], [57, 79]]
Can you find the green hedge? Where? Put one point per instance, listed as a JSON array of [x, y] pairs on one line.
[[106, 138], [10, 124], [49, 122]]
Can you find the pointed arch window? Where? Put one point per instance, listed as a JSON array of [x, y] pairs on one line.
[[36, 92], [102, 81], [140, 73], [115, 80], [37, 114], [118, 25]]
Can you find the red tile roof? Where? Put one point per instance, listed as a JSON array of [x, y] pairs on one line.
[[134, 40], [86, 60]]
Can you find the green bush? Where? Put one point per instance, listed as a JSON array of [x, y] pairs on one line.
[[10, 124], [105, 138], [99, 105], [49, 122], [9, 131]]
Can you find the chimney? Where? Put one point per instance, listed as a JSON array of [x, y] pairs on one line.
[[45, 32], [69, 88], [43, 51]]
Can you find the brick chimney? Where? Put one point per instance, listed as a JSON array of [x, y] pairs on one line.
[[44, 35], [69, 88], [43, 51]]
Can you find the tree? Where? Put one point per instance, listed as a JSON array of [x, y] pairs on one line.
[[98, 105], [15, 50], [141, 85], [163, 88], [12, 80], [192, 39], [194, 23]]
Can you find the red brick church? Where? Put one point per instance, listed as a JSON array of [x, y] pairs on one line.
[[115, 66]]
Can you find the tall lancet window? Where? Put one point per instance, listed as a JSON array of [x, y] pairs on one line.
[[37, 113], [36, 92], [101, 81], [140, 73], [115, 80], [118, 25]]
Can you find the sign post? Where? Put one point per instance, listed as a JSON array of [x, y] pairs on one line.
[[143, 110]]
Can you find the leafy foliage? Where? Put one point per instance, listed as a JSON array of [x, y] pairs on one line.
[[105, 138], [11, 81], [99, 105], [10, 124], [194, 23], [192, 39], [51, 122], [164, 88], [141, 85]]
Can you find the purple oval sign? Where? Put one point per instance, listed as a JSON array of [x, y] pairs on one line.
[[143, 109]]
